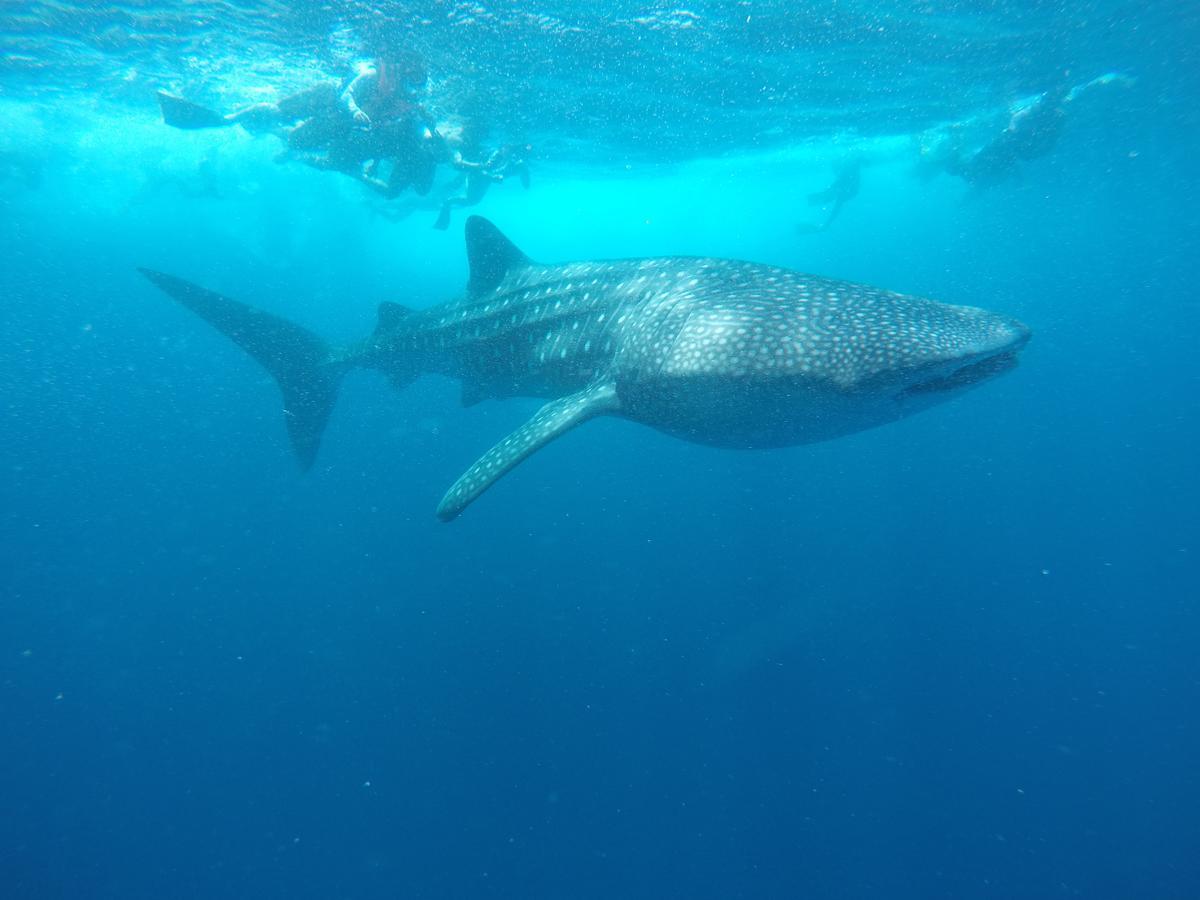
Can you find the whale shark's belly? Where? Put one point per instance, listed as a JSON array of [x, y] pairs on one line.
[[753, 413]]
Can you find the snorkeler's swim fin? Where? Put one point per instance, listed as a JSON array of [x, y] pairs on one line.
[[820, 198], [180, 113]]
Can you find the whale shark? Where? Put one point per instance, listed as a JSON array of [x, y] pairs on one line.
[[714, 351]]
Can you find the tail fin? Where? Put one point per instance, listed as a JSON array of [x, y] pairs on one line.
[[299, 360]]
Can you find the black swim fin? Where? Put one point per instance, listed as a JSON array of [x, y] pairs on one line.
[[304, 366], [180, 113]]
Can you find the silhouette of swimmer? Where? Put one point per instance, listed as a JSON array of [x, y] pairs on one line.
[[478, 177], [375, 119], [1032, 131], [844, 189]]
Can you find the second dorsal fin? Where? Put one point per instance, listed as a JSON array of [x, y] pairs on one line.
[[490, 255]]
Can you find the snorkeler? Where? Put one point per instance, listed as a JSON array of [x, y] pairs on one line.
[[844, 189], [478, 177], [452, 142], [377, 119], [1032, 131]]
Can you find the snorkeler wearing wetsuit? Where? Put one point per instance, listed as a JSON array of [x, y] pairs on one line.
[[844, 189], [1032, 131], [478, 177], [377, 119]]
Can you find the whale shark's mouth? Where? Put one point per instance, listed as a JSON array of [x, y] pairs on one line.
[[965, 376]]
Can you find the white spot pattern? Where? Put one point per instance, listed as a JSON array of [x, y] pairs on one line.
[[554, 330], [683, 317]]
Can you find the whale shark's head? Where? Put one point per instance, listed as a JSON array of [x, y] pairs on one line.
[[795, 359], [962, 347], [896, 356]]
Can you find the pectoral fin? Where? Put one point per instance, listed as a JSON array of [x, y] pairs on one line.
[[553, 419]]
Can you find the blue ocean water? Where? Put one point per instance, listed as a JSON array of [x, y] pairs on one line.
[[952, 657]]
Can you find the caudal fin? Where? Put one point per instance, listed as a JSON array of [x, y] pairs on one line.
[[299, 360]]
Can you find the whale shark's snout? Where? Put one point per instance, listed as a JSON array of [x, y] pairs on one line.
[[1001, 335], [986, 346]]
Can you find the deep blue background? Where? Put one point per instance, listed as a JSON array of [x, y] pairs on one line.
[[953, 657]]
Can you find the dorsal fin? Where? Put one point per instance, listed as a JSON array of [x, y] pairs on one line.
[[490, 255], [390, 316]]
